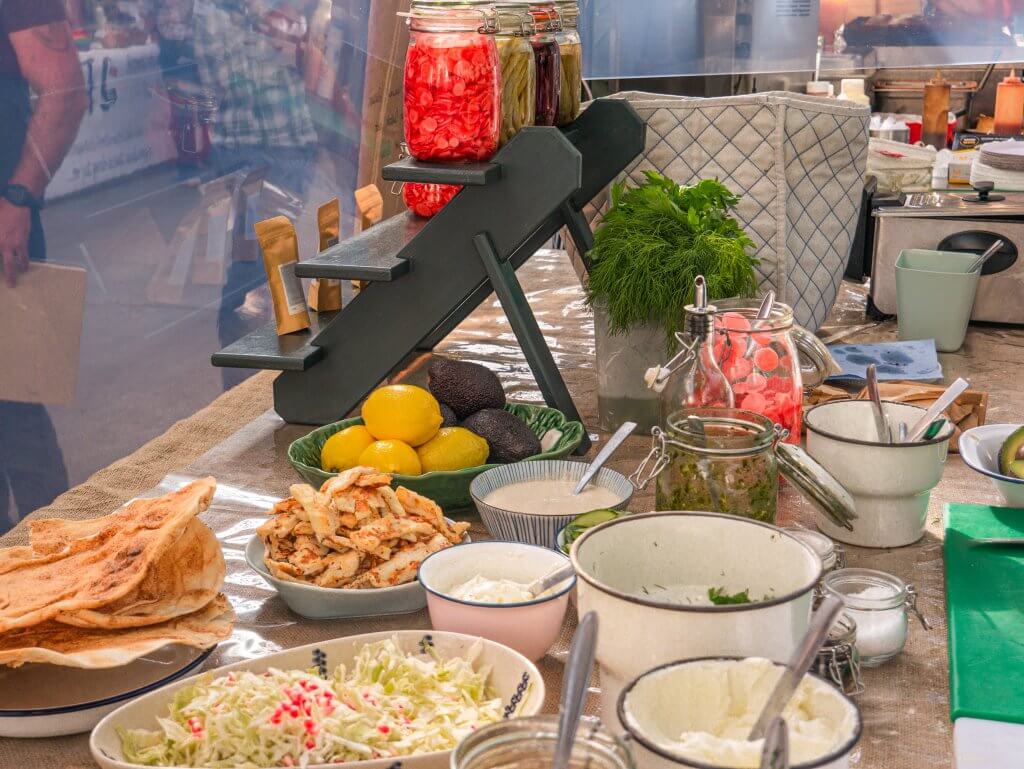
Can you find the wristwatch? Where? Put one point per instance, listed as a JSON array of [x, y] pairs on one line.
[[19, 195]]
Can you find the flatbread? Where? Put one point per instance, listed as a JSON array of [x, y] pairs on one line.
[[59, 644], [107, 562], [185, 579]]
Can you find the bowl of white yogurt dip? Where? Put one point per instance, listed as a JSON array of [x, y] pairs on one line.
[[680, 585], [531, 501], [482, 591], [697, 714]]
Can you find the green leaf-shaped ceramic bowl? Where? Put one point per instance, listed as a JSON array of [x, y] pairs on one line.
[[449, 488]]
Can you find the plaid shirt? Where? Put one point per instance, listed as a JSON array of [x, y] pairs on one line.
[[259, 93]]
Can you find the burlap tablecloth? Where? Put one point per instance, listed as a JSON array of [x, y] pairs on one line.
[[905, 706]]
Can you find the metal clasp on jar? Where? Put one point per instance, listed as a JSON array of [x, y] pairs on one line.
[[912, 605], [658, 455]]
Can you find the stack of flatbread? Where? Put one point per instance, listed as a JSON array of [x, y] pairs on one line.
[[355, 532], [102, 592]]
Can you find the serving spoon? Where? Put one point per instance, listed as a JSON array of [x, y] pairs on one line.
[[944, 401], [798, 665], [574, 688], [554, 577], [625, 430], [881, 420], [775, 753]]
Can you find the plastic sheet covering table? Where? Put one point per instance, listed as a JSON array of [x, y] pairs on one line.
[[243, 444]]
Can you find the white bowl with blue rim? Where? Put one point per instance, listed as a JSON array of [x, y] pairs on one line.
[[42, 700], [514, 679], [979, 449], [315, 602], [538, 528], [530, 627]]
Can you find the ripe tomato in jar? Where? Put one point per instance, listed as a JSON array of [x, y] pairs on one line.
[[452, 93]]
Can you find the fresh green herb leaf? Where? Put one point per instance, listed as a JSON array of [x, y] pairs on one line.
[[719, 597], [654, 240]]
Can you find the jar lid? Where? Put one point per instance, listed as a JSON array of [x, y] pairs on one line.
[[818, 542], [533, 16], [460, 12], [569, 10], [867, 589]]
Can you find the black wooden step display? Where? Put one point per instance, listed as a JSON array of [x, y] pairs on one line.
[[426, 276]]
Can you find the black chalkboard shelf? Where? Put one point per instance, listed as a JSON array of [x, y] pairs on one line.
[[426, 276]]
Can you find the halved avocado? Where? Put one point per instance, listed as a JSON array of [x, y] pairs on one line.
[[1011, 455]]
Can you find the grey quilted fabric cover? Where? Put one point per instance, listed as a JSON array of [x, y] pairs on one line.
[[798, 163]]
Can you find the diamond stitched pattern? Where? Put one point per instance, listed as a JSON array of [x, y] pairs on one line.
[[807, 208]]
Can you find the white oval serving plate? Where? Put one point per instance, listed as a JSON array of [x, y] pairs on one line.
[[515, 679]]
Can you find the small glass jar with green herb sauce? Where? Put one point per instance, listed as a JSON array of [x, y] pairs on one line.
[[728, 460], [720, 460]]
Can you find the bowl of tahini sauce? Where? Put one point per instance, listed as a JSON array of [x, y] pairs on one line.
[[530, 501]]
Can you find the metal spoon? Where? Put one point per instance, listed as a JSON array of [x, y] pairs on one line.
[[625, 430], [701, 439], [943, 402], [775, 753], [979, 264], [574, 688], [554, 577], [798, 665], [881, 420]]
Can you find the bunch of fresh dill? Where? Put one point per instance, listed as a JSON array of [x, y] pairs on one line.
[[654, 240]]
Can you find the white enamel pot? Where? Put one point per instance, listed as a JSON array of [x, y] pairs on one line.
[[655, 709], [617, 561], [890, 483]]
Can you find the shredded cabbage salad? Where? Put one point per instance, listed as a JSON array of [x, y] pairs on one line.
[[391, 704]]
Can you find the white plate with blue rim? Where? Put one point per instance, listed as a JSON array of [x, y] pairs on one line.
[[514, 679], [40, 700]]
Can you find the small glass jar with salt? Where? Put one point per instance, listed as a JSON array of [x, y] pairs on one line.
[[878, 602], [832, 554]]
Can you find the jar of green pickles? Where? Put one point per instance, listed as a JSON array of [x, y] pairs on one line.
[[728, 460], [570, 53], [518, 70]]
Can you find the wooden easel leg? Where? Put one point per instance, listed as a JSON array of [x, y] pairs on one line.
[[524, 325], [579, 230]]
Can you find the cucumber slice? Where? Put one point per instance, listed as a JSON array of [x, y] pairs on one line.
[[593, 518]]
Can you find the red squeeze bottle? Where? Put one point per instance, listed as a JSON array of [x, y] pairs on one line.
[[1009, 105]]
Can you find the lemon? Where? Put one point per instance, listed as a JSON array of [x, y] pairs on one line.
[[341, 451], [403, 413], [391, 456], [453, 448]]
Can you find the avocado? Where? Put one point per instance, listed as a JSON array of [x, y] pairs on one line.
[[464, 387], [448, 416], [1011, 455], [509, 437]]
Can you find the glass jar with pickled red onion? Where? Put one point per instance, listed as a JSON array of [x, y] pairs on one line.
[[452, 93], [768, 362]]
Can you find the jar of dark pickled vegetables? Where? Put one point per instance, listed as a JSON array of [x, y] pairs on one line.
[[570, 53], [546, 59], [518, 70], [452, 82]]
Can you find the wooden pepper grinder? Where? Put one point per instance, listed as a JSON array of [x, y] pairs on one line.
[[935, 119]]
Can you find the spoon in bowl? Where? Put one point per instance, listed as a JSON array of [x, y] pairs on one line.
[[881, 420], [625, 430], [775, 753], [798, 665], [556, 576], [574, 688]]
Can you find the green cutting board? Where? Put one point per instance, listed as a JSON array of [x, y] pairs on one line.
[[985, 612]]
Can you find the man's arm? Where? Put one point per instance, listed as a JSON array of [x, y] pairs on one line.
[[49, 62]]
